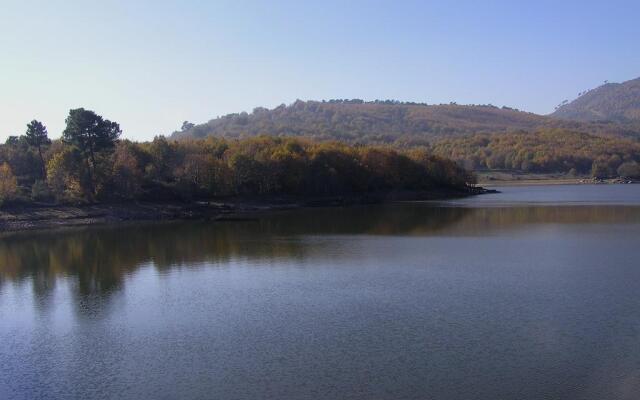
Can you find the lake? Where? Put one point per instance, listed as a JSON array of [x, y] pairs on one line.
[[528, 294]]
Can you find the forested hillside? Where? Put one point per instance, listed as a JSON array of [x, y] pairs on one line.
[[362, 122], [545, 151], [403, 124], [618, 102]]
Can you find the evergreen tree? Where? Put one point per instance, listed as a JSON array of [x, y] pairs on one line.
[[91, 135], [36, 136]]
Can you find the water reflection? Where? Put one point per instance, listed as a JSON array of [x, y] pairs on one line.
[[98, 259], [399, 301]]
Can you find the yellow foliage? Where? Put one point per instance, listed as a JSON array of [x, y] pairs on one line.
[[62, 176], [8, 183]]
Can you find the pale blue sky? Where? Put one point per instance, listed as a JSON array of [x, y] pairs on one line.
[[152, 64]]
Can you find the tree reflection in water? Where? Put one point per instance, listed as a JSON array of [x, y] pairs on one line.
[[97, 259]]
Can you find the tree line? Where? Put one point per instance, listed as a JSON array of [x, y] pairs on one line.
[[90, 163], [545, 151]]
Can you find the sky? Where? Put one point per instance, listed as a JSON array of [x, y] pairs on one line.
[[150, 65]]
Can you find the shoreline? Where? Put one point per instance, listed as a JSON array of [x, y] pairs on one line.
[[533, 182], [547, 182], [48, 216], [515, 178]]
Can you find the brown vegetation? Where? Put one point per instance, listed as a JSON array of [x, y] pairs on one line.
[[611, 102], [94, 166], [545, 151], [387, 122]]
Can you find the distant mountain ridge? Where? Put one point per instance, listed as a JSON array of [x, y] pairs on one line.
[[618, 102], [357, 121]]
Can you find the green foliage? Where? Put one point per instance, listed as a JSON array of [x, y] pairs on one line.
[[94, 137], [36, 137], [89, 132], [23, 159], [36, 134]]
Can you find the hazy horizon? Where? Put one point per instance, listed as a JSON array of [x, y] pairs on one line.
[[152, 65]]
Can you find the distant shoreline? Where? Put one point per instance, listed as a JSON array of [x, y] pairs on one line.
[[47, 216], [516, 178], [532, 182], [544, 182]]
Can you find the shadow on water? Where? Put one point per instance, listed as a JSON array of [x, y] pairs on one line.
[[98, 259]]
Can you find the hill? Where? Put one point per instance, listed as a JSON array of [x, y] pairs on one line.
[[405, 124], [619, 102], [365, 122]]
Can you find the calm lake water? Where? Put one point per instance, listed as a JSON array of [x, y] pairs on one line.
[[533, 293]]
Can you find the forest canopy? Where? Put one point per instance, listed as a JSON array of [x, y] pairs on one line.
[[91, 164], [477, 137], [545, 151]]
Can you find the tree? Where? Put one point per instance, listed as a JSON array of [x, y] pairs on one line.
[[629, 170], [186, 125], [8, 183], [23, 160], [91, 135], [36, 136], [126, 175], [64, 175]]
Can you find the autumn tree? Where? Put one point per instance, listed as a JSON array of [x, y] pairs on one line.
[[8, 183], [127, 176], [64, 175]]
